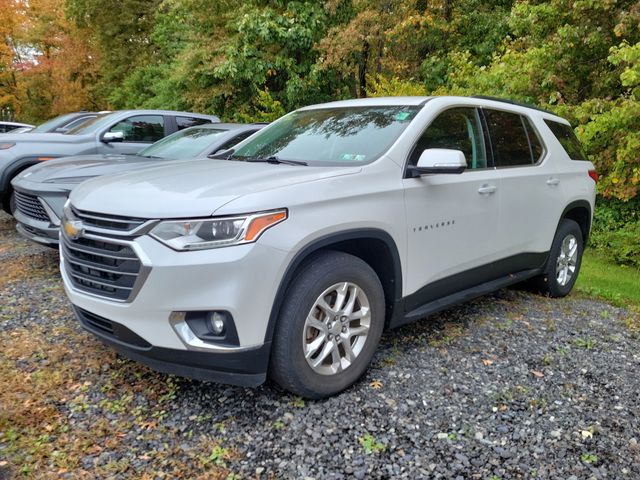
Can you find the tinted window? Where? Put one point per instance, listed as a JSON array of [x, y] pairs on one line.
[[141, 128], [330, 136], [568, 140], [509, 138], [184, 144], [236, 140], [186, 122], [93, 124], [534, 141], [456, 129], [76, 123], [54, 123], [5, 128]]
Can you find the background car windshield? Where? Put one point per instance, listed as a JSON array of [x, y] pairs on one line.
[[183, 144], [331, 136], [93, 125], [53, 123]]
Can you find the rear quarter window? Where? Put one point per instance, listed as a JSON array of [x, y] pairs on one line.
[[568, 140]]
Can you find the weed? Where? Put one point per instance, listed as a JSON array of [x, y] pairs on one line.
[[589, 458], [586, 343], [370, 444]]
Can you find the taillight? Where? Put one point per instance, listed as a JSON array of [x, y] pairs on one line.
[[594, 175]]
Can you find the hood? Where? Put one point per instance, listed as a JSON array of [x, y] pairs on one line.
[[83, 167], [42, 138], [180, 189]]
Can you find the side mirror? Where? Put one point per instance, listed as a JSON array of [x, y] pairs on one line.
[[438, 160], [61, 130], [109, 137]]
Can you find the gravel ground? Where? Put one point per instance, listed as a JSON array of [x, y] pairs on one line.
[[511, 385]]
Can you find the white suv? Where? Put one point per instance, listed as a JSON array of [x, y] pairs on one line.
[[291, 255]]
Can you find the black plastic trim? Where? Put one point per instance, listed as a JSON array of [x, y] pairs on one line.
[[469, 284], [579, 204], [363, 233], [442, 303], [198, 323], [246, 368]]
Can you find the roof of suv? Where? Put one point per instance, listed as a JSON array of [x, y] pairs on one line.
[[420, 101], [164, 112]]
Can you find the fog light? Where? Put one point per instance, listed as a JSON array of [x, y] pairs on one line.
[[216, 323], [213, 327]]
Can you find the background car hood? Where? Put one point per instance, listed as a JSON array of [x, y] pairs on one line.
[[84, 166], [181, 189]]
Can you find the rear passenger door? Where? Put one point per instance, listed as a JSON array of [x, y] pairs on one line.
[[532, 199], [452, 219]]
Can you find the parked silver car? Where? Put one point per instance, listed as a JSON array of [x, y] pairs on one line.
[[6, 127], [119, 132], [41, 191], [68, 121]]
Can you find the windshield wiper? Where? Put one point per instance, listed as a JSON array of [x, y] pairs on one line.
[[276, 160]]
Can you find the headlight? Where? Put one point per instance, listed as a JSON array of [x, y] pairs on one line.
[[68, 180], [5, 146], [199, 234]]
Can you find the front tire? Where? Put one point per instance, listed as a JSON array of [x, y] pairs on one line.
[[565, 258], [329, 326]]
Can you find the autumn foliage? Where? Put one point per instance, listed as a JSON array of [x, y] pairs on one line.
[[257, 59]]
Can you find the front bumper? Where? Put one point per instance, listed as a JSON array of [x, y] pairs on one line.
[[241, 280], [244, 367], [52, 198], [39, 232]]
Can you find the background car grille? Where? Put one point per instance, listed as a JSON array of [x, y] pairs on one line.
[[30, 206], [108, 222], [101, 267]]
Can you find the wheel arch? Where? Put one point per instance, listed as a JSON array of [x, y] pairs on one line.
[[376, 247], [580, 212]]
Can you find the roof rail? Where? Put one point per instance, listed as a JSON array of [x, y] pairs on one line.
[[513, 102]]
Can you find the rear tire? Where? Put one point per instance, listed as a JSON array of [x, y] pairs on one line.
[[329, 326], [563, 265]]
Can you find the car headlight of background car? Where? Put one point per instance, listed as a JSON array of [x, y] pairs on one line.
[[199, 234]]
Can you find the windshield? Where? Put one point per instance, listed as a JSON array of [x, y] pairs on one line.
[[329, 136], [187, 143], [54, 123], [92, 125]]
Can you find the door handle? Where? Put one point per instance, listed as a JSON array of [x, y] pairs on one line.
[[487, 189], [551, 181]]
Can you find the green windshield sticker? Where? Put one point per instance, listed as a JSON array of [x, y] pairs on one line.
[[402, 116]]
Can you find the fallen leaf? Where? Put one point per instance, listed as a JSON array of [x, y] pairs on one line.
[[586, 434], [537, 374], [486, 362], [376, 384]]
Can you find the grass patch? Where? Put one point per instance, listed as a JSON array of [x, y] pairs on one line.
[[603, 278], [56, 396]]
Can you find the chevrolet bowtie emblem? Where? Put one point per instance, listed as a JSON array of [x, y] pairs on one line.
[[73, 229]]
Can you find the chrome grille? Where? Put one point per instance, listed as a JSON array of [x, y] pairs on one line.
[[108, 222], [101, 267], [30, 206]]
